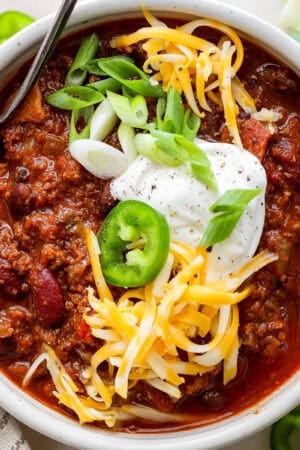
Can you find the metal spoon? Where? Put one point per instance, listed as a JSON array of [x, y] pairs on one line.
[[65, 9]]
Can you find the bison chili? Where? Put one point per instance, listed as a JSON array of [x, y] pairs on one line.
[[44, 265]]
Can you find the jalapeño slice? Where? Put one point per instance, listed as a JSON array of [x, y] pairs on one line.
[[134, 242]]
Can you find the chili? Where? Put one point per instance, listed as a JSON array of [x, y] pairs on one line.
[[45, 194]]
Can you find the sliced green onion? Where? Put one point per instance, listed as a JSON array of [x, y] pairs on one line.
[[234, 198], [99, 158], [172, 118], [103, 121], [230, 207], [11, 22], [160, 111], [108, 84], [146, 145], [200, 164], [74, 97], [126, 135], [132, 111], [94, 68], [219, 228], [84, 114], [174, 113], [168, 144], [144, 87], [191, 124], [128, 92], [182, 150], [124, 71], [87, 50]]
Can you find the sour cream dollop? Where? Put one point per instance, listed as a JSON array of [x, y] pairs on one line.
[[185, 201]]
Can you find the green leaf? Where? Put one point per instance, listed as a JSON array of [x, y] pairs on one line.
[[230, 206], [132, 111], [74, 97], [11, 22], [87, 50], [85, 115]]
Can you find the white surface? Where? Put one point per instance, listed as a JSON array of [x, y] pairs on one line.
[[269, 10]]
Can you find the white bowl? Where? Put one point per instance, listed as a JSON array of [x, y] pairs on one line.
[[37, 416]]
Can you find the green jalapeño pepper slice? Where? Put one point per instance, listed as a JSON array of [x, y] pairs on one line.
[[282, 430], [134, 242], [11, 22]]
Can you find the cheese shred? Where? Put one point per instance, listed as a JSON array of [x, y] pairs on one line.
[[143, 332], [196, 67]]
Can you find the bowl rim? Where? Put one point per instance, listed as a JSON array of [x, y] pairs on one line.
[[56, 426], [44, 419]]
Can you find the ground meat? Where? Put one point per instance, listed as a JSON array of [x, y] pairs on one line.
[[264, 324], [107, 201], [146, 394], [16, 323], [37, 234], [278, 78], [212, 123], [10, 282]]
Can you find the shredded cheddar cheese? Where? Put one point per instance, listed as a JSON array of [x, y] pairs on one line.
[[196, 67], [141, 332]]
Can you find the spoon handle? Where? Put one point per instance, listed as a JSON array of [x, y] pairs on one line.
[[65, 9]]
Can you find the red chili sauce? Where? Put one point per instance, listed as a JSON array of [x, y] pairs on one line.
[[45, 194]]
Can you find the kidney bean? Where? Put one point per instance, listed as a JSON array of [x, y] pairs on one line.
[[20, 199], [10, 282], [47, 298]]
